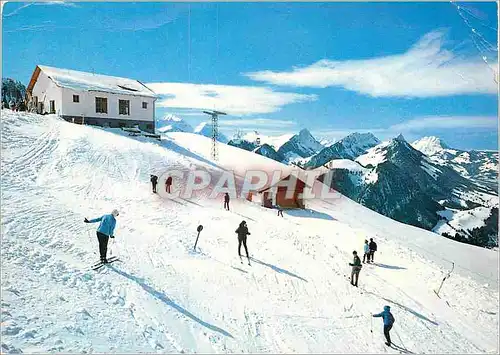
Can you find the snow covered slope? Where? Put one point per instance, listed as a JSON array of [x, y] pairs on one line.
[[462, 220], [163, 297]]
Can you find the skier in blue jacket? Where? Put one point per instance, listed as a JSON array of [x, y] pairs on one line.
[[388, 322], [105, 231]]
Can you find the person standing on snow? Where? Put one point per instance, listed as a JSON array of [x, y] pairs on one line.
[[226, 201], [366, 249], [168, 183], [356, 268], [105, 231], [388, 319], [242, 232], [154, 182], [373, 249]]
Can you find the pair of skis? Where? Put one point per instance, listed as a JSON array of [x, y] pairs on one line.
[[401, 349], [100, 264]]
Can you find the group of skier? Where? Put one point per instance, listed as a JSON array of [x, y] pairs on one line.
[[168, 184], [154, 183], [369, 250], [107, 225]]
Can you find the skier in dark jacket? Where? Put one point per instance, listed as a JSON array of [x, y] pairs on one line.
[[168, 183], [373, 249], [356, 268], [242, 232], [226, 201], [104, 231], [154, 182], [388, 322]]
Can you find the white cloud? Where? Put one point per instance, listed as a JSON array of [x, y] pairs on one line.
[[16, 10], [234, 100], [62, 3], [425, 70], [187, 113], [412, 127], [41, 3], [257, 123], [446, 122]]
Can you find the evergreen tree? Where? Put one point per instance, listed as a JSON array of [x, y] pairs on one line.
[[13, 91]]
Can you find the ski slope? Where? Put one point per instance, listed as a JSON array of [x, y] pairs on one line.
[[163, 297]]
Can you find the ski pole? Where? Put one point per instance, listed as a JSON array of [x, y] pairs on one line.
[[199, 229], [444, 278]]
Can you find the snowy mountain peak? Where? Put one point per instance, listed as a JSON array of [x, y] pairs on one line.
[[205, 129], [172, 123], [302, 145], [304, 133], [171, 117], [360, 139], [307, 139], [430, 145], [349, 147], [400, 138], [400, 144]]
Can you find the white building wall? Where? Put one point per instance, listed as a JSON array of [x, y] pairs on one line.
[[46, 90], [87, 108]]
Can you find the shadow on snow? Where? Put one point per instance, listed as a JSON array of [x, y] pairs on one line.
[[401, 349], [390, 266], [421, 316], [309, 214], [165, 299], [278, 269], [237, 268]]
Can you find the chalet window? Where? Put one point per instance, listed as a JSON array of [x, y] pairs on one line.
[[76, 98], [101, 105], [52, 106], [124, 107], [144, 104]]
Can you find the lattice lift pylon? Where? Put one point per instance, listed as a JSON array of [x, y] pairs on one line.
[[215, 131]]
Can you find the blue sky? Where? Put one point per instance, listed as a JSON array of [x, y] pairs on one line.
[[335, 68]]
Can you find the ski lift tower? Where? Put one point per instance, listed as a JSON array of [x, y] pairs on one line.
[[215, 130]]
